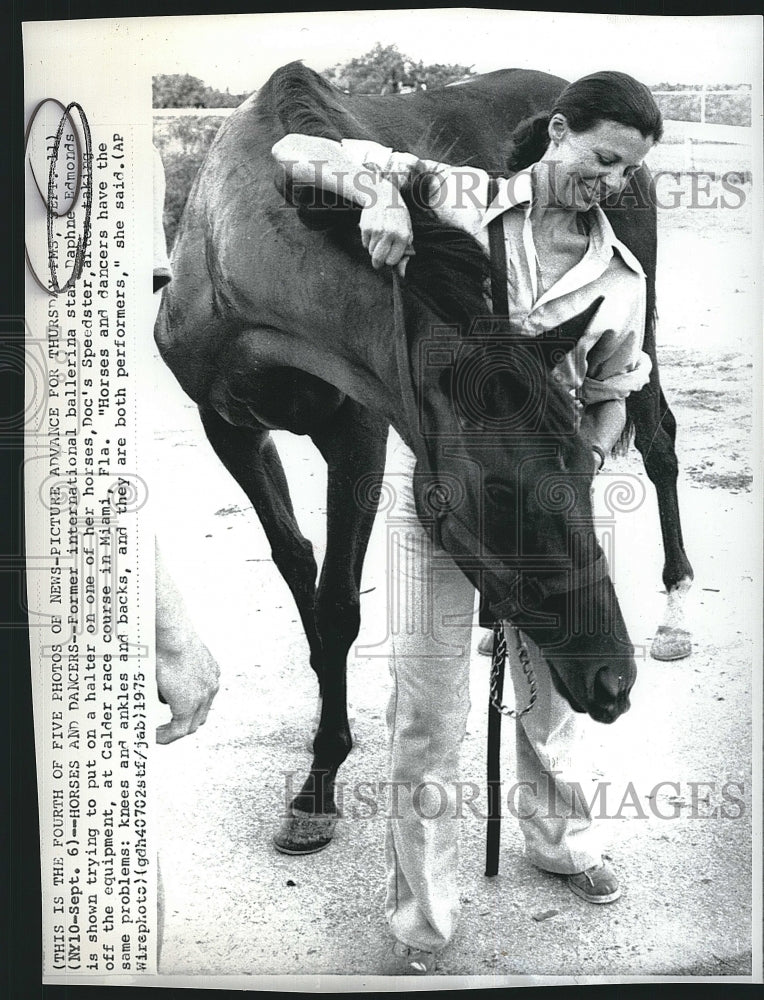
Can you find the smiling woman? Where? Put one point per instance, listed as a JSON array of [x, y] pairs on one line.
[[592, 165]]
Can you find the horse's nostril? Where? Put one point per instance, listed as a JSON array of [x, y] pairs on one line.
[[608, 684]]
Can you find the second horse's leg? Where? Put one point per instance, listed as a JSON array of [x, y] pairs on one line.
[[655, 434]]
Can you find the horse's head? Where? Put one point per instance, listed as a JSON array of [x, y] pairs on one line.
[[503, 482]]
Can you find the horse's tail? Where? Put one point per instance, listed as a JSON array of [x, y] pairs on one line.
[[625, 441], [302, 101], [648, 258]]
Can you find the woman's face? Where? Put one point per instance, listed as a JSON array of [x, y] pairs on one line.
[[587, 167]]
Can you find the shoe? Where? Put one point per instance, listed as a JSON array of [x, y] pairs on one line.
[[408, 961], [485, 646], [597, 884]]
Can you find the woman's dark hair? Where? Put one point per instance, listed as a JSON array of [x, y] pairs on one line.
[[606, 96]]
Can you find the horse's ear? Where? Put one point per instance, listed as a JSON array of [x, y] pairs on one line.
[[555, 344]]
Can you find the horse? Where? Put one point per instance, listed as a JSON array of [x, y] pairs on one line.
[[275, 320]]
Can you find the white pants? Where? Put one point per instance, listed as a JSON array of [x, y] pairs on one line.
[[430, 623]]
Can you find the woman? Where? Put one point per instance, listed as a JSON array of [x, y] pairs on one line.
[[561, 255]]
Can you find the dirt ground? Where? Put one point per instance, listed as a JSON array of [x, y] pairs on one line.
[[235, 907]]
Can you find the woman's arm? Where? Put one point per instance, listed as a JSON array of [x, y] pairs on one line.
[[616, 364], [385, 222], [601, 426], [323, 163]]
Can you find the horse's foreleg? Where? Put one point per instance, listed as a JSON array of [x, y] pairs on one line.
[[353, 445], [252, 459], [655, 435]]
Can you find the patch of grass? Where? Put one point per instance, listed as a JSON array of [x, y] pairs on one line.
[[183, 144]]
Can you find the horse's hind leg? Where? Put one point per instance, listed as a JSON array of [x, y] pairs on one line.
[[655, 436], [353, 445], [252, 459]]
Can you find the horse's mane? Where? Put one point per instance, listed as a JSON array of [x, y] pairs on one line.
[[305, 102], [450, 269]]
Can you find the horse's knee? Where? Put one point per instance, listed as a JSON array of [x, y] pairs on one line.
[[297, 564], [654, 433], [668, 423], [658, 454], [338, 624], [299, 551]]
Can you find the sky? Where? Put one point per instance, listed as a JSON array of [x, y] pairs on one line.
[[239, 52]]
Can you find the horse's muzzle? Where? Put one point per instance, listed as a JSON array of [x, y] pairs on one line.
[[608, 698]]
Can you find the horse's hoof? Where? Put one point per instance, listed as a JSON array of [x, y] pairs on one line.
[[671, 643], [305, 833]]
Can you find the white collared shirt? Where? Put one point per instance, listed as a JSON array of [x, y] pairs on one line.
[[608, 362]]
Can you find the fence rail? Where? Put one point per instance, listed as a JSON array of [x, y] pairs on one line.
[[741, 92], [680, 131], [725, 105], [191, 112]]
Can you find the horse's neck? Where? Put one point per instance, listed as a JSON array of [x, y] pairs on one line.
[[465, 124]]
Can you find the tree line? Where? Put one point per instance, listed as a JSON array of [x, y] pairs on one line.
[[383, 70]]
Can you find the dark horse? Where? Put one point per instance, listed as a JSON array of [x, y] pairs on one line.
[[275, 320]]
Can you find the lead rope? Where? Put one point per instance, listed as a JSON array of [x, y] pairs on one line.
[[497, 672], [496, 707], [408, 397]]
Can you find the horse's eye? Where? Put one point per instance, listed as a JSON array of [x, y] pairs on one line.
[[499, 495]]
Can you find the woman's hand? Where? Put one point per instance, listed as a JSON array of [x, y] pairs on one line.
[[386, 228], [186, 672], [601, 427]]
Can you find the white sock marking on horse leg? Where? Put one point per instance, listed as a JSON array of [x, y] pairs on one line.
[[675, 604]]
